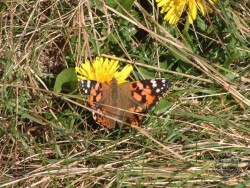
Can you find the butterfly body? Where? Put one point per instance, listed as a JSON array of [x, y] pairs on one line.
[[126, 103]]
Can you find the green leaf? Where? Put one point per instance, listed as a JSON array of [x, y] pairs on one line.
[[127, 5], [66, 80], [205, 118], [31, 117], [147, 72], [162, 106]]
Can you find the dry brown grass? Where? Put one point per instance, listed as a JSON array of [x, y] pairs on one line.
[[48, 140]]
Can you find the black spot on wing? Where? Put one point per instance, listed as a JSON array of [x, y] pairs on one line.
[[149, 92], [135, 120], [156, 86], [90, 87], [85, 86]]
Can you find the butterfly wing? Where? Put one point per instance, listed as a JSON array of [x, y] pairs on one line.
[[148, 92], [98, 94], [135, 98], [94, 89], [144, 94]]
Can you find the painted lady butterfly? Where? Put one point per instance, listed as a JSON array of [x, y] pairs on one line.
[[126, 103]]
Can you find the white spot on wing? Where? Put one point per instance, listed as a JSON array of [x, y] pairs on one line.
[[88, 84], [158, 90], [154, 84]]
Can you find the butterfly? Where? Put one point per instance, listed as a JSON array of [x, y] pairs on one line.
[[126, 103]]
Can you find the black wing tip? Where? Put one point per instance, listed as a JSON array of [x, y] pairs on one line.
[[168, 81]]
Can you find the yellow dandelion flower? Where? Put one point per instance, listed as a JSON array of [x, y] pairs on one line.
[[175, 8], [103, 70]]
